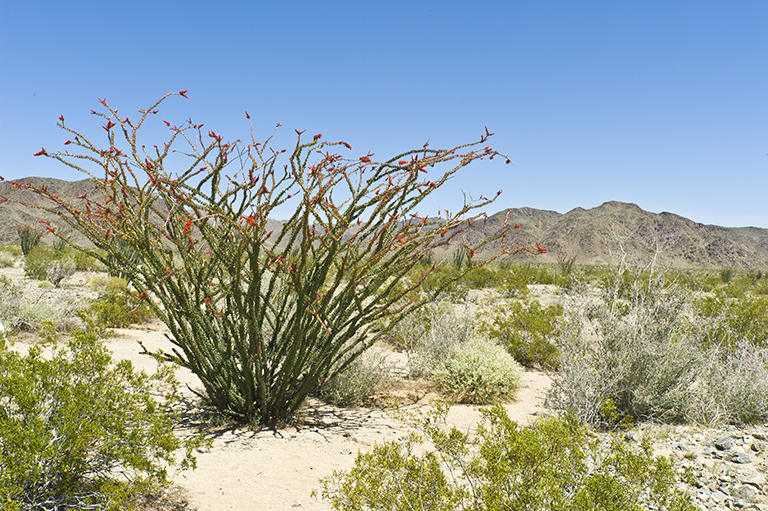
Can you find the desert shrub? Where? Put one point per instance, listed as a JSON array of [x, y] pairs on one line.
[[479, 371], [35, 317], [79, 432], [724, 321], [29, 237], [86, 262], [262, 315], [38, 260], [632, 351], [358, 382], [514, 284], [566, 263], [57, 271], [555, 465], [117, 306], [12, 249], [528, 331], [443, 282], [10, 303], [7, 260], [481, 278], [726, 275], [732, 386], [429, 337]]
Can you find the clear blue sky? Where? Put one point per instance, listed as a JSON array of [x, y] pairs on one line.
[[660, 103]]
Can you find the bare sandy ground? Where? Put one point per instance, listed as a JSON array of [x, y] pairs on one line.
[[261, 470]]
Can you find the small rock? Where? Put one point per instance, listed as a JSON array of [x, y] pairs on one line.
[[740, 458], [744, 491], [723, 444]]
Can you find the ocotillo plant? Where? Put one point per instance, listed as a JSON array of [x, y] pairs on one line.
[[262, 315], [29, 238]]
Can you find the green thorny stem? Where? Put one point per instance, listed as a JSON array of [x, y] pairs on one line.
[[263, 313]]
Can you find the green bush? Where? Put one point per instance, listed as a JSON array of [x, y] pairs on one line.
[[7, 260], [527, 330], [556, 465], [479, 371], [38, 260], [117, 306], [725, 321], [79, 432], [12, 249]]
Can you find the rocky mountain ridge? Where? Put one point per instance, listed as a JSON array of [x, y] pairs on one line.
[[601, 235]]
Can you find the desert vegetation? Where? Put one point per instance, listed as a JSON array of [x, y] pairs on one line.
[[267, 314]]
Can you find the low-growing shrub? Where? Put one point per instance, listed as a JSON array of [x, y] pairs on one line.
[[733, 386], [117, 306], [632, 351], [58, 271], [357, 384], [479, 371], [81, 433], [11, 248], [556, 465], [429, 337], [724, 321], [38, 260], [7, 260], [86, 262], [527, 330], [10, 303], [35, 317]]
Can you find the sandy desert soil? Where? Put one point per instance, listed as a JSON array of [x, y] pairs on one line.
[[251, 469], [262, 470]]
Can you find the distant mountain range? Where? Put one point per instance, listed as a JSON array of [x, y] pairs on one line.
[[601, 235]]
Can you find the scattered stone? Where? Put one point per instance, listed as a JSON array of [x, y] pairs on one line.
[[723, 444]]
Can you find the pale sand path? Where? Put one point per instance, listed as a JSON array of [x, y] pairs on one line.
[[261, 470]]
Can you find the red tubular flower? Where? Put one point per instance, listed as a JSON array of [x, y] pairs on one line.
[[183, 93], [540, 249], [318, 136], [517, 226], [187, 227], [41, 152], [246, 115], [142, 295]]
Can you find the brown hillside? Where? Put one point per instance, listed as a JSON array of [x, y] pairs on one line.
[[596, 236]]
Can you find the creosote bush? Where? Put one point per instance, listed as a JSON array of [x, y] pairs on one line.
[[263, 314], [528, 331], [117, 306], [79, 432], [556, 465], [479, 371]]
